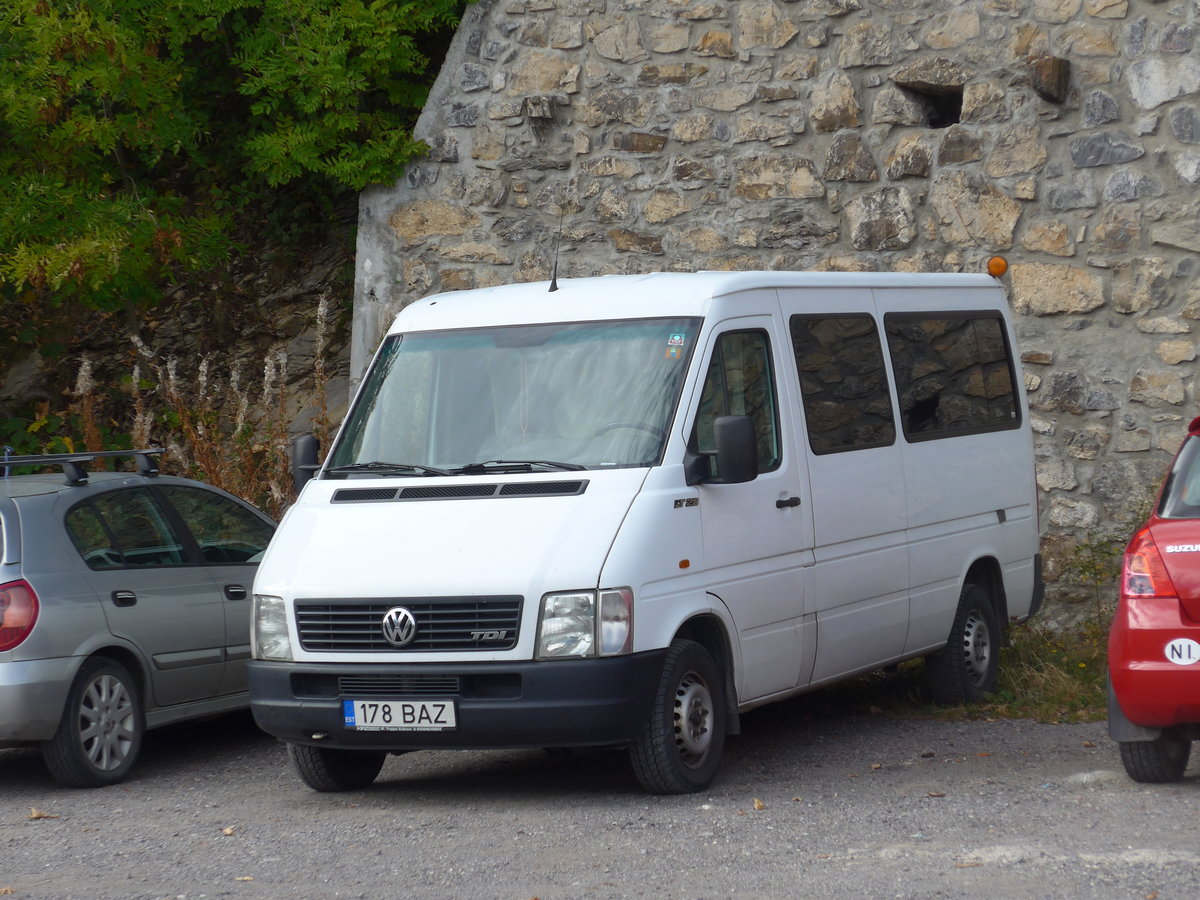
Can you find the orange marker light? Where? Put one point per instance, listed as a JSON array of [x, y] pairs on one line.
[[997, 266], [685, 563]]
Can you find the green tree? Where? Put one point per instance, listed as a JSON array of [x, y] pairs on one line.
[[136, 136]]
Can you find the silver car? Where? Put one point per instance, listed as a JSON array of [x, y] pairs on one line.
[[124, 605]]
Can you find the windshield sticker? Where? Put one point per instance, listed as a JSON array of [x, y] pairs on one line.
[[1183, 652], [675, 346]]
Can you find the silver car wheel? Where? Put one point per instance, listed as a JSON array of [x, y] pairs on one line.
[[100, 734], [107, 722]]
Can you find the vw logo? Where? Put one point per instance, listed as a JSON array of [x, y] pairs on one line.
[[399, 626]]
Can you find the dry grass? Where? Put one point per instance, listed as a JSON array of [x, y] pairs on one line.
[[1045, 675], [1054, 676], [221, 427]]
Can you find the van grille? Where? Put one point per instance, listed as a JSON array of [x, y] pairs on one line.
[[443, 624]]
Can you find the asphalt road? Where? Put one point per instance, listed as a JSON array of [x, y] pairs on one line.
[[811, 802]]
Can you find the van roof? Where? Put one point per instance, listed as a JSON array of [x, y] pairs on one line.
[[638, 296]]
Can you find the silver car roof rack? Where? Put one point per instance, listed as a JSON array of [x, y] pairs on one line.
[[72, 464]]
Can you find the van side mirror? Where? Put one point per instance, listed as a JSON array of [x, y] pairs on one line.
[[735, 459], [737, 450], [305, 451]]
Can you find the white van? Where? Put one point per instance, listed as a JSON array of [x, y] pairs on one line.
[[619, 511]]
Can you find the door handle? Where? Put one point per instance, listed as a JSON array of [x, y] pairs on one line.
[[235, 592], [789, 502], [124, 598]]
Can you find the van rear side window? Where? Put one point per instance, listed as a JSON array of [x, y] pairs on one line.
[[843, 382], [954, 374]]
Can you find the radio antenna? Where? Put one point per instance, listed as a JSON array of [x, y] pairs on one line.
[[554, 275]]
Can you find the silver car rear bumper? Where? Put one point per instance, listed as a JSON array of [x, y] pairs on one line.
[[32, 696]]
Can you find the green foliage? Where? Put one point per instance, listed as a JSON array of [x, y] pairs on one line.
[[325, 80], [137, 136]]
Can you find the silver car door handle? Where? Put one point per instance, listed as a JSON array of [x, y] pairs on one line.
[[124, 598], [235, 592]]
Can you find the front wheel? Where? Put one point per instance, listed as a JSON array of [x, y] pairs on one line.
[[966, 668], [100, 734], [680, 747], [329, 770], [1158, 761]]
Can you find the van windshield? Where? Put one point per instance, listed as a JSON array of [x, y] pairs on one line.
[[576, 395]]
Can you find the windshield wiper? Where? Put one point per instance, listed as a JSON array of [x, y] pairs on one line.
[[387, 468], [515, 465]]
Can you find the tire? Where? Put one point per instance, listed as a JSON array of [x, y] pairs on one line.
[[965, 670], [330, 771], [1158, 761], [680, 747], [100, 734]]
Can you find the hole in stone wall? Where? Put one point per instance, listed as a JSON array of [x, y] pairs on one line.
[[942, 107]]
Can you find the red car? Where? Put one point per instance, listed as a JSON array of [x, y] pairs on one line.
[[1154, 641]]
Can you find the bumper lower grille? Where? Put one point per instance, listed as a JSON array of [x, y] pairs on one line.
[[398, 685], [442, 624]]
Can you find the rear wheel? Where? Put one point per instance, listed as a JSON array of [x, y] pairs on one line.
[[329, 770], [100, 734], [1158, 761], [680, 748], [965, 669]]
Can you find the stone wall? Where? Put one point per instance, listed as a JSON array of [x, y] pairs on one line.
[[903, 135]]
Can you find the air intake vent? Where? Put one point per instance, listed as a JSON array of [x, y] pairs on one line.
[[542, 489], [398, 685], [448, 492], [353, 495], [462, 491]]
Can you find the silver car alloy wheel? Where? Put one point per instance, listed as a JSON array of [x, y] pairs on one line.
[[107, 722]]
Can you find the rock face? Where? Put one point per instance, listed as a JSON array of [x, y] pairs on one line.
[[887, 135]]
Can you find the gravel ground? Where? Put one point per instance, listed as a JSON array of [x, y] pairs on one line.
[[810, 802]]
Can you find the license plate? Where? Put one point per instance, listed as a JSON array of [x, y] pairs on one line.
[[399, 715]]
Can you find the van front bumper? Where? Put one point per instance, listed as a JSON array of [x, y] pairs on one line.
[[558, 703]]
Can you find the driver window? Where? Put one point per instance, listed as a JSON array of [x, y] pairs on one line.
[[739, 383], [226, 531]]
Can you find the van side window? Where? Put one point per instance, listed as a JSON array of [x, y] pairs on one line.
[[954, 374], [843, 382], [739, 383]]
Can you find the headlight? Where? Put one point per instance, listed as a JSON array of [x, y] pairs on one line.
[[568, 626], [269, 637]]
